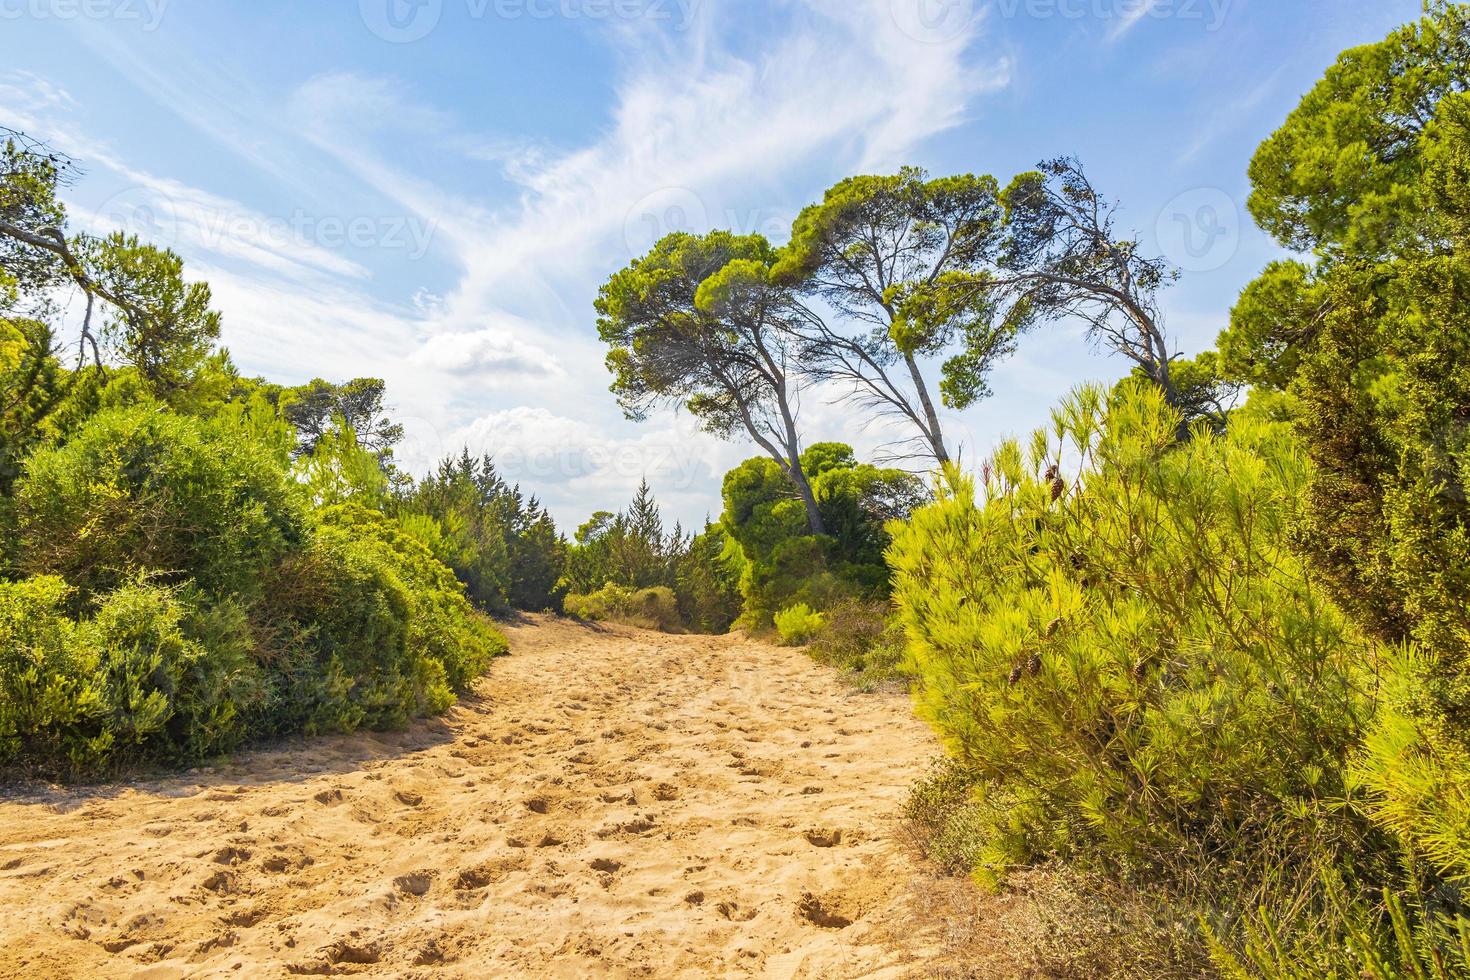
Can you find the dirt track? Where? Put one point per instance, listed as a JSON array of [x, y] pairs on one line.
[[617, 803]]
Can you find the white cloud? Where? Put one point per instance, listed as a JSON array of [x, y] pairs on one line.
[[701, 134], [492, 351]]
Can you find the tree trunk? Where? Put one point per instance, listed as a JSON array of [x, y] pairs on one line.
[[932, 431], [798, 479]]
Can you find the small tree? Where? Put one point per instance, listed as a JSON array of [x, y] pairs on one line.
[[157, 322], [878, 251], [311, 408], [700, 322], [1064, 258]]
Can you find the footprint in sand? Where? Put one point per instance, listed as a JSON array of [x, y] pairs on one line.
[[734, 912], [416, 885]]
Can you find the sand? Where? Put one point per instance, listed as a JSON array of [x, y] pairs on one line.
[[612, 803]]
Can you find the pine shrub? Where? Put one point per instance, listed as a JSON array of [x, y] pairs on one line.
[[798, 625], [1117, 640]]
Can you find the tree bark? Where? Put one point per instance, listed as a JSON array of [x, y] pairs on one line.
[[932, 431]]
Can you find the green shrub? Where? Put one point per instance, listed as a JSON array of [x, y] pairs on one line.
[[144, 491], [1369, 347], [862, 639], [652, 609], [136, 681], [1133, 662], [780, 562], [707, 583], [369, 630], [797, 625], [444, 626]]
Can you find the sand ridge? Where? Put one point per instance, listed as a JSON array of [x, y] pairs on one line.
[[613, 803]]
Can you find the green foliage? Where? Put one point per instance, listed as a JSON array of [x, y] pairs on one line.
[[1133, 662], [319, 408], [901, 253], [144, 491], [797, 625], [30, 176], [707, 583], [1345, 170], [443, 626], [136, 680], [503, 547], [161, 325], [1396, 940], [368, 629], [651, 609], [338, 470], [629, 549], [169, 586], [664, 345], [781, 563], [863, 640], [1370, 350], [701, 322], [32, 385]]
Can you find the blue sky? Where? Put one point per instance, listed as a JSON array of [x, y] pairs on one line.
[[431, 191]]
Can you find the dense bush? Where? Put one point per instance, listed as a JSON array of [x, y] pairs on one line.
[[782, 563], [367, 629], [444, 626], [652, 609], [707, 583], [142, 678], [144, 490], [797, 625], [190, 558], [1134, 664], [863, 640]]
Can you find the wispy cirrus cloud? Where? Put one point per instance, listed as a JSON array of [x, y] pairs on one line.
[[701, 131]]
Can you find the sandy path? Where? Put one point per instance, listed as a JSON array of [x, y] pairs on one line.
[[618, 803]]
